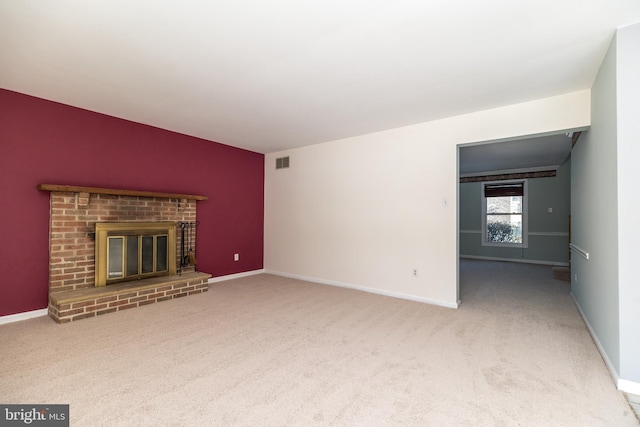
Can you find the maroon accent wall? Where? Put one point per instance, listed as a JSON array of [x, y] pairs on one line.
[[47, 142]]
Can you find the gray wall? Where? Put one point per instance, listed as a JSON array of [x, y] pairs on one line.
[[628, 201], [594, 211], [606, 209], [548, 232]]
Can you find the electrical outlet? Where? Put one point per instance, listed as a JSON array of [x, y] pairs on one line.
[[575, 277], [236, 257], [414, 272]]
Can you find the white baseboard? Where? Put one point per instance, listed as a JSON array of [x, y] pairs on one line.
[[630, 387], [366, 289], [622, 385], [520, 260], [605, 357], [23, 316], [235, 276]]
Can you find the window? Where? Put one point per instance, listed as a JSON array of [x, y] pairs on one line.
[[504, 213]]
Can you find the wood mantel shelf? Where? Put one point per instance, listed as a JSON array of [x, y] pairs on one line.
[[117, 192]]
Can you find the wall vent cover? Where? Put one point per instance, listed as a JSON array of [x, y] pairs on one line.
[[282, 162]]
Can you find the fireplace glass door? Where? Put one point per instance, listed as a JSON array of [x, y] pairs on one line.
[[133, 250], [136, 256]]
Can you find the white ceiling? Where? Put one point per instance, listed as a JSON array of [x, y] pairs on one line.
[[271, 75]]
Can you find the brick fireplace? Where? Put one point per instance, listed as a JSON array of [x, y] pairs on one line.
[[74, 213]]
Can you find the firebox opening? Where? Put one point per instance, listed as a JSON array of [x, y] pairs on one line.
[[133, 250]]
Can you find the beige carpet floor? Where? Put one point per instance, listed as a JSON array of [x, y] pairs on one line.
[[266, 350]]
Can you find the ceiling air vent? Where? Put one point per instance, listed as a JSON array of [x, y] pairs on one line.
[[282, 162]]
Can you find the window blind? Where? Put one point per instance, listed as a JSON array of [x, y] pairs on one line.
[[504, 190]]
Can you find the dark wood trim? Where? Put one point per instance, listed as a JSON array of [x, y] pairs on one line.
[[574, 138], [117, 192], [503, 177]]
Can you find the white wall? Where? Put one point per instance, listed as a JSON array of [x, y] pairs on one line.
[[365, 211]]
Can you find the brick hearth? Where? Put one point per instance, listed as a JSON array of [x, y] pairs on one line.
[[66, 306]]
